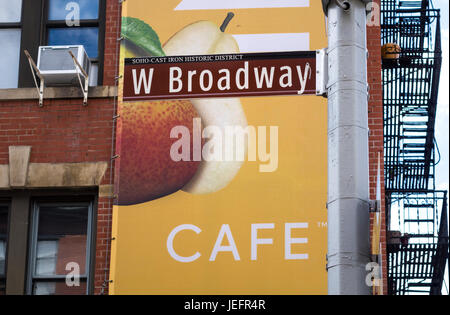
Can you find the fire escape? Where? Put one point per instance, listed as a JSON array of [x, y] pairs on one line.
[[417, 236]]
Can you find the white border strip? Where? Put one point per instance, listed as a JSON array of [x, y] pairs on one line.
[[239, 4]]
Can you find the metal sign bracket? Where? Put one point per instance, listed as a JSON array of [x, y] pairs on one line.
[[322, 72]]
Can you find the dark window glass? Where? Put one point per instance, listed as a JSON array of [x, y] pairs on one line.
[[60, 247], [58, 287], [86, 36], [67, 9], [3, 242]]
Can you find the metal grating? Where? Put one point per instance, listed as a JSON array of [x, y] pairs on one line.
[[410, 267], [417, 260], [410, 86], [418, 246]]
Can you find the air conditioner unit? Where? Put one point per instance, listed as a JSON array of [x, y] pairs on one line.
[[57, 67]]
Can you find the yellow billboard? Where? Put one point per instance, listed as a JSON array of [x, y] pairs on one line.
[[193, 217]]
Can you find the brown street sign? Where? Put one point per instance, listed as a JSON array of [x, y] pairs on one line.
[[225, 75]]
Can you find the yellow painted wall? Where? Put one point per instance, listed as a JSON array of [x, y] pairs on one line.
[[295, 193]]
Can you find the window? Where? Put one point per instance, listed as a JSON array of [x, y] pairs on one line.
[[60, 248], [10, 36], [51, 236], [28, 24], [4, 210], [71, 22]]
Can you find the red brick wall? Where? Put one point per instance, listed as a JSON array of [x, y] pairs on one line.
[[61, 131], [376, 130], [112, 33], [65, 131]]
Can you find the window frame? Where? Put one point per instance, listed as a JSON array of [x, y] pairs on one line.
[[6, 203], [99, 23], [20, 206], [34, 230], [33, 24]]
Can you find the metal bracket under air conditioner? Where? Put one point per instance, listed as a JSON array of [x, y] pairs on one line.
[[35, 71], [85, 86]]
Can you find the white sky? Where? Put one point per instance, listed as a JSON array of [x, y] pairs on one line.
[[442, 115]]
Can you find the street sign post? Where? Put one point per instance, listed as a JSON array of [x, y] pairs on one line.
[[224, 75], [348, 152]]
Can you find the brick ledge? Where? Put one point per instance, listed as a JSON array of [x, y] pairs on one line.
[[52, 175], [57, 93]]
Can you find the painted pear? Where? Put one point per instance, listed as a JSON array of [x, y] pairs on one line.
[[146, 168], [199, 38]]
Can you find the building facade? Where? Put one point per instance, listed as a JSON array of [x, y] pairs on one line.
[[56, 161], [55, 165]]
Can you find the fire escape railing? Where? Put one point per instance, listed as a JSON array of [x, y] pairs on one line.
[[416, 212], [418, 256]]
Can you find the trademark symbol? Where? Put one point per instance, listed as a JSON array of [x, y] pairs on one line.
[[322, 224]]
